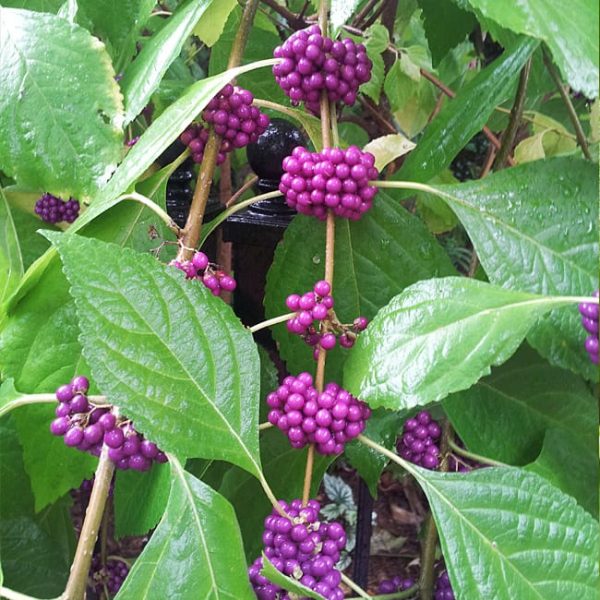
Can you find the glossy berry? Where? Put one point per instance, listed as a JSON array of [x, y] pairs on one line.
[[589, 319], [328, 419], [231, 114], [201, 269], [312, 63], [443, 589], [419, 441], [334, 179], [304, 548], [397, 584], [52, 209], [110, 576]]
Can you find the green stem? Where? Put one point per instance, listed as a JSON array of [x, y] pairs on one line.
[[271, 496], [43, 399], [212, 225], [428, 547], [273, 321], [409, 593], [265, 425], [476, 457], [580, 135], [241, 39], [154, 208], [354, 587]]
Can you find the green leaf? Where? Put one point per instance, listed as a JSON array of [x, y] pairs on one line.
[[388, 148], [535, 228], [446, 334], [287, 583], [269, 380], [11, 261], [573, 41], [446, 25], [382, 427], [506, 417], [173, 357], [49, 6], [463, 117], [340, 12], [143, 75], [508, 534], [376, 41], [61, 135], [116, 22], [211, 24], [368, 273], [8, 396], [140, 500], [196, 550]]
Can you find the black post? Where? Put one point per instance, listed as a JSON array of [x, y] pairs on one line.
[[362, 550]]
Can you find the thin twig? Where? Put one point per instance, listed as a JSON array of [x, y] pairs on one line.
[[294, 21], [553, 71], [354, 587], [364, 12], [270, 322], [310, 461], [148, 203], [248, 185], [510, 133], [375, 15], [475, 457]]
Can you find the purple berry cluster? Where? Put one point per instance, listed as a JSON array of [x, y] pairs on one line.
[[589, 319], [110, 576], [200, 268], [443, 589], [303, 548], [232, 117], [87, 427], [317, 305], [312, 63], [334, 179], [396, 584], [55, 210], [419, 441], [328, 419]]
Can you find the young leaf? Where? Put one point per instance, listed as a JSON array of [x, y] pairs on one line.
[[196, 550], [388, 148], [59, 135], [508, 534], [287, 583], [367, 274], [574, 44], [535, 228], [439, 336], [144, 74], [464, 116], [170, 355], [211, 24], [11, 261]]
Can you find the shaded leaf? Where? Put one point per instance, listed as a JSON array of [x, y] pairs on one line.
[[388, 148], [11, 261], [287, 583]]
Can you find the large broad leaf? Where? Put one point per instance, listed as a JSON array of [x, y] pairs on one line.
[[375, 259], [196, 551], [464, 116], [572, 38], [437, 337], [50, 6], [60, 134], [140, 500], [116, 22], [505, 416], [211, 24], [535, 228], [11, 261], [145, 73], [508, 534], [170, 355]]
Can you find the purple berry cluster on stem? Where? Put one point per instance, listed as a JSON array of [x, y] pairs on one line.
[[88, 427], [302, 548], [328, 419], [111, 575], [443, 589], [334, 179], [55, 210], [312, 63], [589, 320], [199, 267], [233, 119], [419, 441], [396, 584]]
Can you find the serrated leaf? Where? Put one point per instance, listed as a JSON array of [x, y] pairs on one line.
[[144, 74], [60, 134], [367, 275], [508, 534], [287, 583], [535, 228], [444, 334], [463, 117], [506, 417], [388, 148], [11, 261], [170, 355], [211, 24], [573, 41], [196, 550], [140, 500], [338, 491]]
